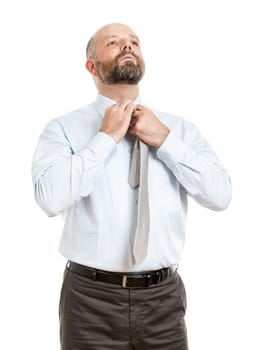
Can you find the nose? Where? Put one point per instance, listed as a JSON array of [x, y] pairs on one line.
[[126, 46]]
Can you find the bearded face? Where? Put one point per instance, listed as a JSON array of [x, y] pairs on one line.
[[121, 72]]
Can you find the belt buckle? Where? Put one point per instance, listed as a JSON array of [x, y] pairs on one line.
[[124, 281]]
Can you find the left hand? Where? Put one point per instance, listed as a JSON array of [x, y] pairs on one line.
[[147, 127]]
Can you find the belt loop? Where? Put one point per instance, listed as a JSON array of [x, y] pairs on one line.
[[164, 273], [158, 277], [94, 275], [148, 278], [124, 281]]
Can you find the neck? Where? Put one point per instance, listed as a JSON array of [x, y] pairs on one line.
[[120, 92]]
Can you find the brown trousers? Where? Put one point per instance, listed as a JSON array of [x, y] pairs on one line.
[[100, 316]]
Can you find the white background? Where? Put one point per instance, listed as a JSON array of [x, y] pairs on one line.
[[204, 62]]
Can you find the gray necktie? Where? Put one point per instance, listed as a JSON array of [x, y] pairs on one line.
[[139, 177]]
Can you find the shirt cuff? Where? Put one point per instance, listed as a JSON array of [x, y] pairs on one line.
[[102, 145], [173, 149]]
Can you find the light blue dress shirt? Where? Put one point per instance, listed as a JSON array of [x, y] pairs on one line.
[[82, 174]]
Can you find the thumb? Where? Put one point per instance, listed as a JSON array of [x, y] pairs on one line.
[[130, 108]]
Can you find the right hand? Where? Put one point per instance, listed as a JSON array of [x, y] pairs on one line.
[[117, 119]]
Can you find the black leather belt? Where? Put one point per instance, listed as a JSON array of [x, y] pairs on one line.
[[124, 279]]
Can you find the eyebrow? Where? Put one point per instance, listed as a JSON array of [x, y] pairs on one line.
[[117, 36]]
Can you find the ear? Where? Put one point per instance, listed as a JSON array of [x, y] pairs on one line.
[[90, 66]]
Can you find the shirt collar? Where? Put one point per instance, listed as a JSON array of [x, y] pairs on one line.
[[102, 103]]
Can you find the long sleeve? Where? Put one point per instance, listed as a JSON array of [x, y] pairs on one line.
[[60, 176], [191, 159]]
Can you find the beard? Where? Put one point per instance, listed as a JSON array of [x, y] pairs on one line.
[[128, 73]]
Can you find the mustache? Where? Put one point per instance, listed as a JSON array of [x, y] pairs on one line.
[[124, 53]]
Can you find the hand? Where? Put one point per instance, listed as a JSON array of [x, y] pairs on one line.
[[117, 119], [148, 127]]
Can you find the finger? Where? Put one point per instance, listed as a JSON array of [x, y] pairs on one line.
[[136, 113], [139, 107], [129, 109], [123, 104], [133, 121]]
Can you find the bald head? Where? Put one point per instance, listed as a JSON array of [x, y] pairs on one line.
[[111, 30]]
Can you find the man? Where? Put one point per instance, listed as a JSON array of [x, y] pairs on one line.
[[124, 211]]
